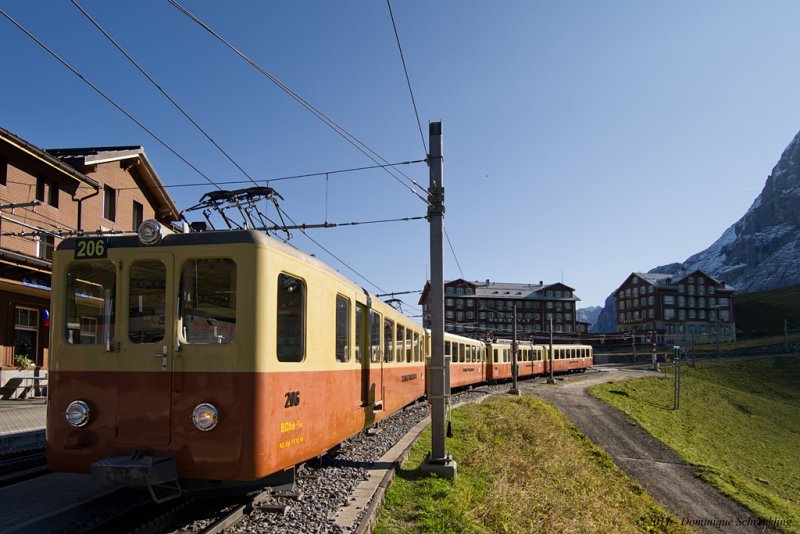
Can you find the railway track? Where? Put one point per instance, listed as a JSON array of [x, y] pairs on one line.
[[22, 465]]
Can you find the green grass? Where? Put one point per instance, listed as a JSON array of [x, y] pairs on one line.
[[522, 467], [739, 423]]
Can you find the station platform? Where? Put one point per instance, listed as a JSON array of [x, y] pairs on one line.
[[22, 424]]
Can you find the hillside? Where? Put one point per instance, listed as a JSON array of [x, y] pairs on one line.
[[763, 312]]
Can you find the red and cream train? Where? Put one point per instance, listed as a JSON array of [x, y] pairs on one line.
[[228, 356]]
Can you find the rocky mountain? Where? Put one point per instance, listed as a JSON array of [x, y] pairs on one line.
[[607, 318], [760, 251], [588, 315]]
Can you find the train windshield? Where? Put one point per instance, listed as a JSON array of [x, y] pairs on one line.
[[208, 300], [90, 303]]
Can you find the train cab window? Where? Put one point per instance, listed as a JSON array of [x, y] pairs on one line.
[[291, 320], [90, 303], [374, 337], [147, 297], [401, 336], [342, 329], [208, 301], [388, 340]]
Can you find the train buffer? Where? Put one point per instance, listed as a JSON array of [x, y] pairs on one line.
[[159, 474]]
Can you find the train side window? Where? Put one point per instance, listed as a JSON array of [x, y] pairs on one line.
[[291, 319], [388, 340], [416, 347], [361, 312], [375, 337], [447, 348], [342, 328], [474, 354], [409, 341], [401, 336], [505, 355], [147, 297], [208, 300], [495, 355], [90, 300]]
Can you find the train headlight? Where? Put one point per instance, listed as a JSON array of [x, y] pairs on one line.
[[151, 232], [77, 414], [205, 416]]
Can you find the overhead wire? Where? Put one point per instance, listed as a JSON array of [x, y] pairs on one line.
[[334, 256], [163, 92], [290, 177], [106, 97], [408, 80], [341, 131], [454, 253]]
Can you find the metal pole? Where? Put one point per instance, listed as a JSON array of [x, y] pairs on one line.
[[551, 380], [514, 371], [655, 355], [438, 460]]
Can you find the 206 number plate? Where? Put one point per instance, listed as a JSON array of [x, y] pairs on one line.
[[91, 248]]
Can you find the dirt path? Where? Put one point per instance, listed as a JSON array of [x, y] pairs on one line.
[[658, 469]]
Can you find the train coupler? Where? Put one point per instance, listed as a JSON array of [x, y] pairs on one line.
[[159, 474]]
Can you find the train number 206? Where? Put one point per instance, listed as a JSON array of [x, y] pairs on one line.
[[292, 399], [91, 248]]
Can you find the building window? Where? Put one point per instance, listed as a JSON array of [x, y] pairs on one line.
[[650, 300], [724, 315], [3, 170], [681, 314], [691, 314], [52, 194], [26, 333], [651, 313], [45, 246], [40, 188], [109, 203], [669, 299], [669, 313], [137, 216]]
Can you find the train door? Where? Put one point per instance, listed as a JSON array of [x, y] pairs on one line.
[[146, 343], [368, 350]]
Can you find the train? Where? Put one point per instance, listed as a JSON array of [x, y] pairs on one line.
[[223, 359]]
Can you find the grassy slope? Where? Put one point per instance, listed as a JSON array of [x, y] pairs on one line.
[[739, 422], [764, 311], [522, 467]]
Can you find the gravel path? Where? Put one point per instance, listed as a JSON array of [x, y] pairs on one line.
[[657, 468]]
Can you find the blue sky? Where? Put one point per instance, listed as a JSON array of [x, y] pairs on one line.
[[582, 140]]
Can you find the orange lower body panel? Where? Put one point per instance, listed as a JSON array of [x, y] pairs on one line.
[[267, 421]]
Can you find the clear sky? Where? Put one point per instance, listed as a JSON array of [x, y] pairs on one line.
[[582, 139]]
